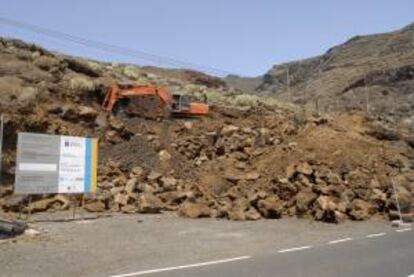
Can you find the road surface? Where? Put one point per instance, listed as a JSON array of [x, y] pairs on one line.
[[167, 245], [377, 254]]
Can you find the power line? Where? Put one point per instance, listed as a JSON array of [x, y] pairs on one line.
[[160, 60]]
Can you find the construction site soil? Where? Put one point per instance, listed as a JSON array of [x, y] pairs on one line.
[[241, 163]]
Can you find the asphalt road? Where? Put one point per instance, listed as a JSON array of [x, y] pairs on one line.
[[379, 254], [167, 245]]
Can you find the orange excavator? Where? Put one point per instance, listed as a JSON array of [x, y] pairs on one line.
[[172, 104]]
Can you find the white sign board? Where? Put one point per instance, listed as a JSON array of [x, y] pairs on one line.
[[55, 164]]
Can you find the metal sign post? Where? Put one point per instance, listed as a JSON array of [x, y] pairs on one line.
[[1, 144]]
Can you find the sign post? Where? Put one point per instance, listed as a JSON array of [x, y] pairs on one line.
[[55, 164], [1, 145]]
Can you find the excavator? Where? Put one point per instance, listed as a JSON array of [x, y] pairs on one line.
[[172, 104]]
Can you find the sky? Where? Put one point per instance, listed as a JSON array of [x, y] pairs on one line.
[[244, 37]]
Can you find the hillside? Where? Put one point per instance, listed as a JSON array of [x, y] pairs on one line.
[[373, 73], [250, 158]]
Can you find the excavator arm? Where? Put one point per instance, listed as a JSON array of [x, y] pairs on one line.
[[115, 92], [175, 104]]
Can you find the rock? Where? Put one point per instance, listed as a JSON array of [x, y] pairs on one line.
[[101, 120], [115, 123], [325, 203], [63, 200], [304, 201], [154, 175], [121, 199], [290, 171], [14, 202], [229, 130], [41, 205], [252, 214], [270, 207], [361, 210], [149, 203], [145, 187], [194, 210], [137, 171], [87, 112], [131, 185], [304, 168], [164, 155], [236, 213], [129, 209], [325, 209], [252, 175], [236, 175], [95, 206], [168, 183], [188, 125]]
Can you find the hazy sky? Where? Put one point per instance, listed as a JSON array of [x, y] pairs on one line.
[[239, 36]]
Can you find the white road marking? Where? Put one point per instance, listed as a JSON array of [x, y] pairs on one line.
[[181, 267], [404, 230], [412, 275], [295, 249], [339, 240], [376, 235]]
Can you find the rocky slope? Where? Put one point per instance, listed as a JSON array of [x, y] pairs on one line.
[[373, 73], [245, 161]]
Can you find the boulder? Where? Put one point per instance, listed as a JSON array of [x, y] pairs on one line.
[[168, 183], [154, 175], [87, 112], [270, 207], [129, 209], [41, 205], [131, 186], [361, 210], [137, 171], [194, 210], [252, 214], [304, 168], [164, 155], [94, 206], [304, 201], [229, 130], [121, 199], [149, 203]]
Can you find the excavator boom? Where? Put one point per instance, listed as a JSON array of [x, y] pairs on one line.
[[177, 104]]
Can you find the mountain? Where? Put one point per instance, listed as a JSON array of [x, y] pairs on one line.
[[373, 73]]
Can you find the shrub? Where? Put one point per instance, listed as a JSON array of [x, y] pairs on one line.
[[215, 97], [95, 66], [246, 100], [82, 84], [46, 62], [131, 71]]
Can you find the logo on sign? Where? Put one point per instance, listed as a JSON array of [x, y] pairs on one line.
[[72, 144]]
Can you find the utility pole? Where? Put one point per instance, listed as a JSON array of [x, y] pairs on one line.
[[288, 84]]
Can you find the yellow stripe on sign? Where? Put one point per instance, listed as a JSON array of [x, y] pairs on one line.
[[94, 164]]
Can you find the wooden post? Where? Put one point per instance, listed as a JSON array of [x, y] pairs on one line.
[[29, 212], [83, 207], [75, 204]]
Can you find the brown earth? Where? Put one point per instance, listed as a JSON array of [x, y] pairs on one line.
[[238, 163]]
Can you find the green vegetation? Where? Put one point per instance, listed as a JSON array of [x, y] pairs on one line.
[[82, 84], [131, 71]]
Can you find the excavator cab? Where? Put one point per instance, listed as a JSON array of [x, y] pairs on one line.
[[180, 103]]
